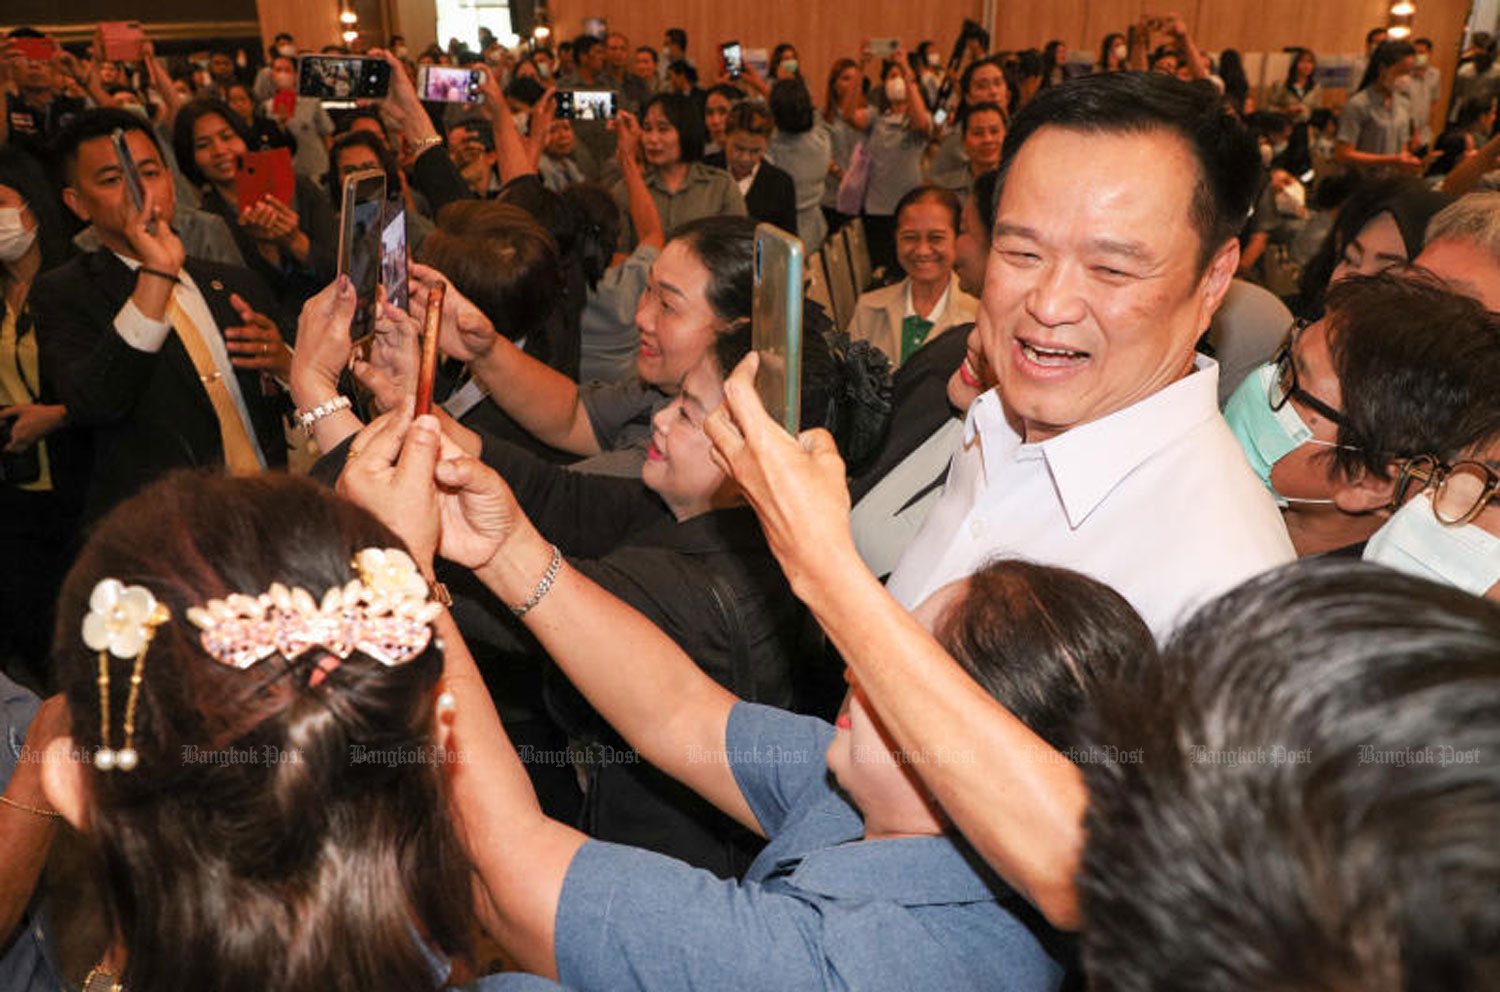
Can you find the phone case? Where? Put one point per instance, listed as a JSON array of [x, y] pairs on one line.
[[776, 324], [267, 172]]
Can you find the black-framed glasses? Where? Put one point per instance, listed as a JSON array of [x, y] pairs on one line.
[[1459, 491], [1284, 385]]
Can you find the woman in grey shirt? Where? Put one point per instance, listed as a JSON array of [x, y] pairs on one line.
[[1375, 129], [804, 152], [898, 136], [846, 98]]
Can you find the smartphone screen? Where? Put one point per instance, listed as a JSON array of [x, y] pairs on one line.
[[133, 186], [734, 58], [884, 48], [586, 105], [360, 230], [776, 324], [444, 84], [341, 80], [393, 269]]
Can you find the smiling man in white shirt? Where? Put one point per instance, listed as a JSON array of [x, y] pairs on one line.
[[1102, 448]]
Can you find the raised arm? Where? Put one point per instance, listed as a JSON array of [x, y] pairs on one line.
[[1021, 804], [511, 152], [916, 106], [643, 213], [539, 398]]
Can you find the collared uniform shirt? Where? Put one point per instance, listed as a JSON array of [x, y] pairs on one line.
[[820, 908], [144, 334], [1156, 500], [705, 192], [1374, 126]]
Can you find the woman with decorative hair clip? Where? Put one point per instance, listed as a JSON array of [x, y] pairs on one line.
[[253, 670]]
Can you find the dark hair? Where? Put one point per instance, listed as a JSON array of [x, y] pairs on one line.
[[649, 51], [99, 122], [967, 112], [1374, 33], [1413, 360], [345, 124], [831, 105], [1472, 109], [1283, 758], [300, 873], [1410, 202], [682, 113], [986, 199], [596, 229], [927, 192], [1041, 640], [1107, 47], [334, 179], [585, 43], [499, 257], [24, 174], [1232, 72], [1229, 169], [778, 53], [182, 133], [733, 94], [684, 69], [752, 118], [1291, 69], [726, 247], [1386, 54], [1049, 52], [677, 37], [791, 106]]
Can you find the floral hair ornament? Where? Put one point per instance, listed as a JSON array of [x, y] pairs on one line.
[[121, 621], [385, 614]]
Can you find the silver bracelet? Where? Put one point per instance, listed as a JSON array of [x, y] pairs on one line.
[[306, 419], [541, 587]]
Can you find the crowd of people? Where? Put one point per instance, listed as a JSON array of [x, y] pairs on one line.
[[1125, 612]]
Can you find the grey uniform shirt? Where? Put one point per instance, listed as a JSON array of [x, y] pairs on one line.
[[805, 158], [1371, 125], [895, 162], [705, 192]]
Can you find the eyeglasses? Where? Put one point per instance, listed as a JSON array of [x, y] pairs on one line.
[[1284, 386], [1460, 490]]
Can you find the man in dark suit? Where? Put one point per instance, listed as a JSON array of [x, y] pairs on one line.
[[770, 195], [162, 361]]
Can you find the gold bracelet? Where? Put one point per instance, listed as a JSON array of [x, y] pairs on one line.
[[29, 809]]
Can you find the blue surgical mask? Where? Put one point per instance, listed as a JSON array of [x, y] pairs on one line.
[[1416, 542], [1267, 436]]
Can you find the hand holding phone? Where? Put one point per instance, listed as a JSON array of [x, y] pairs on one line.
[[734, 58], [776, 324]]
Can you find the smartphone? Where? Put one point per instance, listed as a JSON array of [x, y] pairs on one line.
[[884, 48], [35, 49], [734, 58], [359, 243], [427, 370], [122, 41], [586, 105], [133, 186], [393, 261], [776, 324], [444, 84], [265, 173], [284, 103], [342, 80]]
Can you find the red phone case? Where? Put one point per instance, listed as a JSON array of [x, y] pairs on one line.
[[121, 41], [284, 102], [266, 172], [35, 49]]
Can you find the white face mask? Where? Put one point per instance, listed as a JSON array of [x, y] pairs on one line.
[[895, 89], [1121, 52], [15, 239], [1421, 60], [544, 70], [1291, 200], [934, 59], [1416, 542]]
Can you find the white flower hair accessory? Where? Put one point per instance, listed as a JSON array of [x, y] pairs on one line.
[[385, 614], [121, 621]]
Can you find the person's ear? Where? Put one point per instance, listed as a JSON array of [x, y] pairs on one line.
[[1216, 280], [63, 781], [1366, 492], [75, 203]]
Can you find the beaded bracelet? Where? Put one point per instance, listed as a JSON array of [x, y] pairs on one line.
[[306, 419], [541, 587]]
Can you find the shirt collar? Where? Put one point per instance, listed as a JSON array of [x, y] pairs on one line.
[[748, 181], [1087, 462], [936, 315], [909, 871]]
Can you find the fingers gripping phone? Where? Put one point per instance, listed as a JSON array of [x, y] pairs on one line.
[[133, 186], [776, 324]]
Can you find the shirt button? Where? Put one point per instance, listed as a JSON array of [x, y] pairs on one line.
[[976, 528]]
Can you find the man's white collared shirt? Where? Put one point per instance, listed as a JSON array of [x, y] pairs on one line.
[[1156, 500]]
